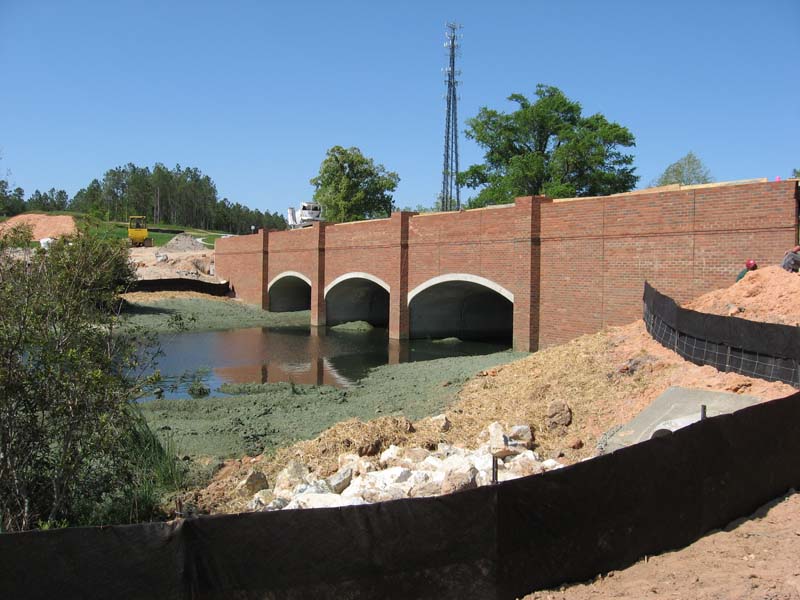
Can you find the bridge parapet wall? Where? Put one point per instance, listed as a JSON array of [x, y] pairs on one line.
[[597, 252], [573, 266]]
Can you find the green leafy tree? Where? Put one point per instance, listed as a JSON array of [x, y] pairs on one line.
[[547, 147], [12, 202], [71, 444], [688, 170], [796, 173], [351, 187], [178, 196]]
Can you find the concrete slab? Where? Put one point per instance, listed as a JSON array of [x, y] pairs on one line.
[[675, 408]]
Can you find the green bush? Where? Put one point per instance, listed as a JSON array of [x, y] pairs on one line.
[[73, 447]]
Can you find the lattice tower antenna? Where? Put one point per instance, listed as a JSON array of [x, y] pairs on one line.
[[451, 192]]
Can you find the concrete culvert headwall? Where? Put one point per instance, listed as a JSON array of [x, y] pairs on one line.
[[357, 299], [289, 293], [462, 309]]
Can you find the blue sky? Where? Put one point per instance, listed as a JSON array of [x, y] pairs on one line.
[[253, 93]]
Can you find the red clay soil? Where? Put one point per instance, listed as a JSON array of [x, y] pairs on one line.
[[44, 226], [770, 295], [757, 558]]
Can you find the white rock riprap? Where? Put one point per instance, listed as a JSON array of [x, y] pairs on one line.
[[407, 473]]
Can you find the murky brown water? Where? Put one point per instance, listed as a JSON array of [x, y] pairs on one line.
[[301, 355]]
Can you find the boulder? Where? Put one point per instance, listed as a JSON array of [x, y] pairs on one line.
[[390, 456], [416, 454], [317, 486], [260, 500], [459, 479], [322, 500], [360, 465], [287, 480], [253, 482], [524, 464], [431, 463], [425, 484], [339, 481], [500, 445], [521, 433], [277, 504], [379, 486], [551, 464], [559, 417]]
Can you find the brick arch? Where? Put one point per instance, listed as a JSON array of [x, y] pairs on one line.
[[488, 283], [357, 275], [288, 274]]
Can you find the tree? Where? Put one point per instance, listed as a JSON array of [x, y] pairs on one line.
[[688, 170], [351, 187], [71, 445], [178, 196], [11, 202], [796, 173], [547, 147]]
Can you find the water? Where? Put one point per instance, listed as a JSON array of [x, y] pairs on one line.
[[301, 355]]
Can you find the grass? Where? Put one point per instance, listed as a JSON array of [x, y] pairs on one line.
[[119, 229], [206, 315]]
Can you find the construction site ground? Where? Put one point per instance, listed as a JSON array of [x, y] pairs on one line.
[[606, 378]]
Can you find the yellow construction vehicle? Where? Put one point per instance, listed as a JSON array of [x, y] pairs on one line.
[[137, 232]]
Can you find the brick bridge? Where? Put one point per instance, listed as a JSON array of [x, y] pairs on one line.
[[537, 272]]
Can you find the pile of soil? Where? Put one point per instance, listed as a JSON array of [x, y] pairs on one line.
[[158, 263], [769, 295], [183, 242], [43, 226]]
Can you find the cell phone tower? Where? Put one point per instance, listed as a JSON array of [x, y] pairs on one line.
[[450, 198]]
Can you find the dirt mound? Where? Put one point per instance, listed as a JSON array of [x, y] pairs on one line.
[[770, 295], [183, 242], [43, 226]]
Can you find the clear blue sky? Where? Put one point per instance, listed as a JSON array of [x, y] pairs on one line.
[[253, 93]]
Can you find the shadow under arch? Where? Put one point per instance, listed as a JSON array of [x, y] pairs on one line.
[[289, 291], [357, 297], [464, 306]]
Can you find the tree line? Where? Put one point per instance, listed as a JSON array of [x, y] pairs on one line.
[[178, 196]]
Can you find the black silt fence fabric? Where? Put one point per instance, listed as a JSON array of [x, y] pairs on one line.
[[179, 284], [764, 350], [495, 542]]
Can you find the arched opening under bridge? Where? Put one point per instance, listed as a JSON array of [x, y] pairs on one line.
[[289, 291], [467, 307], [357, 297]]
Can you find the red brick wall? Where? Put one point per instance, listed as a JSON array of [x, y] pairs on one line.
[[597, 252], [574, 266], [241, 261]]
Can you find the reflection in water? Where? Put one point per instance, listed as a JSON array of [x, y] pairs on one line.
[[302, 355]]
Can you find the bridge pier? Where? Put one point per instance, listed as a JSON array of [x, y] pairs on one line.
[[318, 277], [398, 293]]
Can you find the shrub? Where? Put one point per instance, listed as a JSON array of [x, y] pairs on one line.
[[72, 448]]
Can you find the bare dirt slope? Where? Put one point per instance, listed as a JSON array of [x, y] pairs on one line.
[[166, 263], [43, 226], [757, 558]]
